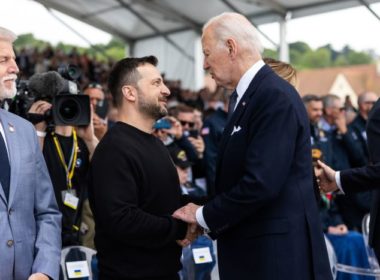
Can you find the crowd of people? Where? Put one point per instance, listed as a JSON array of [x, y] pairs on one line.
[[157, 166]]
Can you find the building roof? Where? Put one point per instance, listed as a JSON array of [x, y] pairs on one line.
[[360, 77]]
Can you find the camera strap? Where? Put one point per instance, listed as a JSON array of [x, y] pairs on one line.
[[70, 168]]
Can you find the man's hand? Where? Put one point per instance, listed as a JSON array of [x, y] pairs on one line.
[[88, 135], [193, 231], [40, 107], [341, 122], [338, 230], [100, 126], [187, 213], [38, 276], [198, 144], [176, 129], [327, 181]]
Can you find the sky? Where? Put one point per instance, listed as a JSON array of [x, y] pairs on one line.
[[355, 27]]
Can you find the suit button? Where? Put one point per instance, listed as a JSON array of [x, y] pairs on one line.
[[10, 243], [10, 211]]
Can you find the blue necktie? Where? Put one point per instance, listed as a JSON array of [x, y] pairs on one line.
[[5, 169], [232, 104]]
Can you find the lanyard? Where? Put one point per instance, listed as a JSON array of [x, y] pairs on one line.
[[73, 157]]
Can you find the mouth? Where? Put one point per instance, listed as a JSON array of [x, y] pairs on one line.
[[9, 83], [164, 101], [9, 80]]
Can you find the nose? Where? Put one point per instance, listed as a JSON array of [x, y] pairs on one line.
[[94, 101], [205, 64], [165, 90], [13, 69]]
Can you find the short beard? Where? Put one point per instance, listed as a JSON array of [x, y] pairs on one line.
[[6, 93], [154, 111]]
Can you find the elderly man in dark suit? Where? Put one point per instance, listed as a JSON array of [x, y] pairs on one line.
[[264, 214], [362, 179]]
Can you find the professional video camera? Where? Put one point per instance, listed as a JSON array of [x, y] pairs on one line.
[[69, 107]]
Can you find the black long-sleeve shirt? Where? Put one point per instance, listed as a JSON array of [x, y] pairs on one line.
[[134, 189]]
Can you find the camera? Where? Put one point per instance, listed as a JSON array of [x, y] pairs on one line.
[[69, 107], [69, 72]]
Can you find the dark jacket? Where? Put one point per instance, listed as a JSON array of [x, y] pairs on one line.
[[368, 178], [264, 214]]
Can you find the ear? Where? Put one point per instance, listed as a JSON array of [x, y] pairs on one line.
[[232, 47], [129, 93]]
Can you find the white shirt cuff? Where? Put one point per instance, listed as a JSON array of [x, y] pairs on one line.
[[200, 219], [338, 182]]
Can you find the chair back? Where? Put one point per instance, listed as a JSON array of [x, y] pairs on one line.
[[72, 254]]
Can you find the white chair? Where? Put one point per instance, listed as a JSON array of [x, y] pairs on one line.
[[89, 255], [372, 260], [338, 267]]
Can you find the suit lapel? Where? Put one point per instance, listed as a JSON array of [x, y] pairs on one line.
[[240, 109], [13, 145]]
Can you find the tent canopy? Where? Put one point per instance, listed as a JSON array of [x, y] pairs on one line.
[[170, 29], [134, 20]]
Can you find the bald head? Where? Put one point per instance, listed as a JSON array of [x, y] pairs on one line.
[[366, 101], [231, 46], [234, 25]]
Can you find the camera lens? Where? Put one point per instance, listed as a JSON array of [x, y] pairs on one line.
[[70, 72], [69, 109]]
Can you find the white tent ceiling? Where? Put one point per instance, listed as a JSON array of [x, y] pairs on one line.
[[134, 20], [169, 28]]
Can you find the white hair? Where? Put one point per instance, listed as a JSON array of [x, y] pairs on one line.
[[7, 35], [237, 26]]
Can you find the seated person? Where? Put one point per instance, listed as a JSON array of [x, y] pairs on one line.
[[191, 268]]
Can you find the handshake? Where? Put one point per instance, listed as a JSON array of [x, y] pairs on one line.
[[187, 214]]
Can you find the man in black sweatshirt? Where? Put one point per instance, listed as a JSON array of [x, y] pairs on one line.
[[134, 185]]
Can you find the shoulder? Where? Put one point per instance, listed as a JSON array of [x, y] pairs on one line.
[[16, 121]]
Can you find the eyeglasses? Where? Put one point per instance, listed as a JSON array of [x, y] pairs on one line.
[[369, 102], [190, 124], [94, 85]]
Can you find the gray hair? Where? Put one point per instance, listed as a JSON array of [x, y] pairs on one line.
[[7, 35], [234, 25], [362, 97], [328, 100]]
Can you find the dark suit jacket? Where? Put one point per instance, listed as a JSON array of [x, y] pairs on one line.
[[368, 178], [265, 214]]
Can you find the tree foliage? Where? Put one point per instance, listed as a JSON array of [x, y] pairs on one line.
[[302, 56]]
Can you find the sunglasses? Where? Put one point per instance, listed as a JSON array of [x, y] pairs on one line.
[[94, 85], [190, 124]]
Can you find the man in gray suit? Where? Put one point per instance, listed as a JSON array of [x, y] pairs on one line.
[[30, 223]]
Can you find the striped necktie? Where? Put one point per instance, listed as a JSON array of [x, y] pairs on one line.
[[232, 104]]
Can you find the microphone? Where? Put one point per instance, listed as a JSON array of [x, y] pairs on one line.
[[50, 84]]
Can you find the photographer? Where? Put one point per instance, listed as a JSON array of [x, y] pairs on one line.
[[99, 117], [67, 151]]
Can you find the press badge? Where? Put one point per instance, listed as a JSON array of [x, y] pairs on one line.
[[70, 199], [77, 269], [202, 255]]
